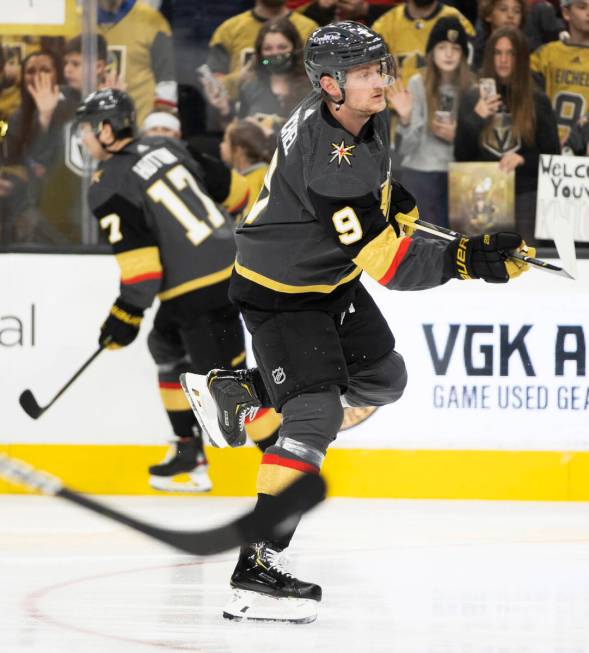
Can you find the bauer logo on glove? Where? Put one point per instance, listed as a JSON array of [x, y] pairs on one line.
[[487, 257]]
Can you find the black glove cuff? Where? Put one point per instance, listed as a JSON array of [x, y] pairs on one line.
[[461, 253], [129, 308]]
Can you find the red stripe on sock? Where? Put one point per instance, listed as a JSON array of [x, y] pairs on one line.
[[399, 256], [168, 385], [275, 459]]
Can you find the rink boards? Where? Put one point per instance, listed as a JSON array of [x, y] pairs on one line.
[[497, 404]]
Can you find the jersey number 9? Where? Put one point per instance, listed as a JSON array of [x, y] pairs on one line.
[[347, 225]]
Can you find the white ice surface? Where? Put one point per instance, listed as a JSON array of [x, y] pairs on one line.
[[397, 576]]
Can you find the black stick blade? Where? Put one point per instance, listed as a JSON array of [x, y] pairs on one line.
[[29, 404]]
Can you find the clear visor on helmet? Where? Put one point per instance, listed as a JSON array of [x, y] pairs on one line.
[[83, 125], [375, 74]]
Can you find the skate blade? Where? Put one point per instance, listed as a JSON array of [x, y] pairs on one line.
[[193, 483], [203, 406], [246, 606]]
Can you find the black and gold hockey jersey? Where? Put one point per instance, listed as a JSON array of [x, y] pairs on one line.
[[407, 37], [168, 235], [325, 214], [565, 72]]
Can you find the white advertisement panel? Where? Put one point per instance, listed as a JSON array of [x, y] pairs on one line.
[[36, 12], [490, 366]]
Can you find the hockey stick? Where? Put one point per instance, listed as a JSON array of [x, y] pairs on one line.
[[31, 406], [298, 498], [448, 234]]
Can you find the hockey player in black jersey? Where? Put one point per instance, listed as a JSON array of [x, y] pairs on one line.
[[327, 213], [173, 242]]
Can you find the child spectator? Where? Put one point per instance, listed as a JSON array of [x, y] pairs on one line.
[[563, 68], [494, 14], [72, 62], [513, 126], [427, 118], [248, 149], [161, 123]]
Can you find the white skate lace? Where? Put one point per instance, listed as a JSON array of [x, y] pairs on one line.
[[279, 560], [250, 412]]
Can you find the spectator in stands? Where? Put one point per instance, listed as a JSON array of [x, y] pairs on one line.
[[494, 14], [406, 29], [9, 86], [331, 11], [34, 142], [72, 63], [233, 43], [513, 127], [162, 123], [277, 81], [427, 117], [248, 149], [140, 45], [562, 68]]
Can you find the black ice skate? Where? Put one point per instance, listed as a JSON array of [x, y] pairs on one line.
[[222, 401], [185, 457], [265, 591]]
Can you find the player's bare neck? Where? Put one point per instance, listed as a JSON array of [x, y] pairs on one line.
[[350, 120], [117, 146]]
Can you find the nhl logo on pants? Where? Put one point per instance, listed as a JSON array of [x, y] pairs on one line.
[[278, 375]]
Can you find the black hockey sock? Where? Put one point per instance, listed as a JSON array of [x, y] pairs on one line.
[[263, 506], [184, 423]]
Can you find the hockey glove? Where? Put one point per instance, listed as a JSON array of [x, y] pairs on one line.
[[486, 257], [121, 326]]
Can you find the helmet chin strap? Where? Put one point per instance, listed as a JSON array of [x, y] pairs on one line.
[[104, 146]]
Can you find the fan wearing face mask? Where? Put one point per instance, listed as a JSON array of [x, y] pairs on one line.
[[277, 82]]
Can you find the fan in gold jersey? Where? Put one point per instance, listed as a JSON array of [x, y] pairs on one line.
[[564, 68]]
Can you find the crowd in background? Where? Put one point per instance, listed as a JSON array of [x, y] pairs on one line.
[[501, 80]]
